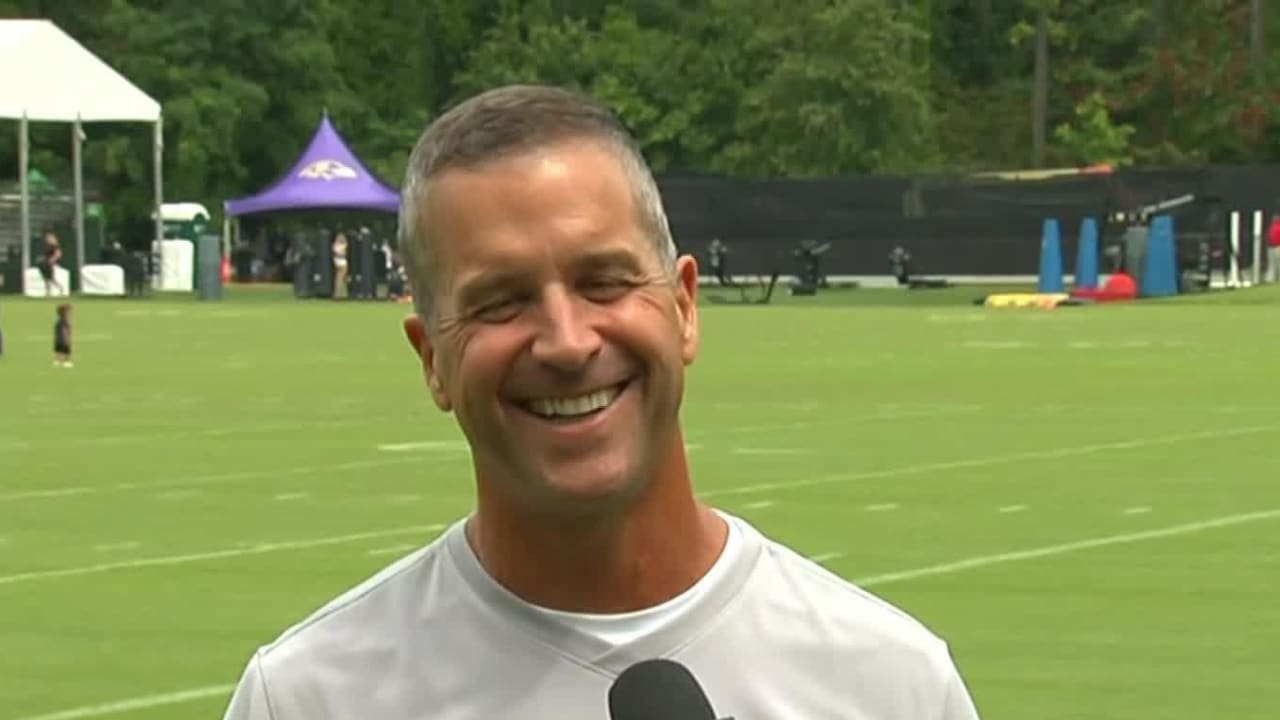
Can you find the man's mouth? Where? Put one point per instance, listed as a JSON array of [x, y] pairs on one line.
[[576, 407]]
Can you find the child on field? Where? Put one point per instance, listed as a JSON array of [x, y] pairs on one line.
[[62, 337]]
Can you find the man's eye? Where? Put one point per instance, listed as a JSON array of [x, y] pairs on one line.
[[499, 311], [604, 289]]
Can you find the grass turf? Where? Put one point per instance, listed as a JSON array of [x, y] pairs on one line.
[[1032, 485]]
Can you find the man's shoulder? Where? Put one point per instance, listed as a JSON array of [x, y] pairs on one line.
[[804, 587], [376, 610], [811, 627]]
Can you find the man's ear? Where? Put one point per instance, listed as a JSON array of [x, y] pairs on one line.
[[415, 331], [687, 305]]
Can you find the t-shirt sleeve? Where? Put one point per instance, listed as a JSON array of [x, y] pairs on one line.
[[250, 701], [958, 704]]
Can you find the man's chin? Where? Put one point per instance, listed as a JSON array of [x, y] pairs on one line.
[[589, 493]]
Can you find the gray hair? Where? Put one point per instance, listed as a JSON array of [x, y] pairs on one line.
[[509, 121]]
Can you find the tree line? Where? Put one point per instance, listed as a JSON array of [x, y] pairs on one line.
[[743, 88]]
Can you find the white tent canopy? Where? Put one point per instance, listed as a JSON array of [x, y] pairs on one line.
[[46, 75]]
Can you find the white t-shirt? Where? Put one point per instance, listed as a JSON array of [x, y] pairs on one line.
[[769, 635]]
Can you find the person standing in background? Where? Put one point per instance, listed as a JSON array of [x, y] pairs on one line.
[[339, 264], [49, 258], [62, 337]]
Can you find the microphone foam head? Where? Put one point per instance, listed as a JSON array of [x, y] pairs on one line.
[[658, 690]]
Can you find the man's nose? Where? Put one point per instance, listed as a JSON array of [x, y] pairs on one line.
[[566, 339]]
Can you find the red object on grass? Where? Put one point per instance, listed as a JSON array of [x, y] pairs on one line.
[[1119, 286]]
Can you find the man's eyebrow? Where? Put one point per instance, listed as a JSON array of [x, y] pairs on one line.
[[609, 259], [476, 288]]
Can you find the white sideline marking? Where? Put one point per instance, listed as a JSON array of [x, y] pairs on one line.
[[823, 557], [769, 451], [871, 580], [392, 550], [885, 414], [34, 494], [219, 479], [113, 547], [133, 438], [214, 555], [285, 497], [1138, 510], [881, 507], [425, 445], [758, 505], [1012, 508], [989, 461], [1064, 548], [138, 703]]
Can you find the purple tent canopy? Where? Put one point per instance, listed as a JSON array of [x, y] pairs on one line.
[[328, 175]]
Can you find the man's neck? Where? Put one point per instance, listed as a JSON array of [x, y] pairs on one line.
[[660, 546]]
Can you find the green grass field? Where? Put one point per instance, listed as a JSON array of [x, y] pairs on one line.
[[1085, 502]]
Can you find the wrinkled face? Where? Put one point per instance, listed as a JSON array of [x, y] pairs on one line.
[[559, 341]]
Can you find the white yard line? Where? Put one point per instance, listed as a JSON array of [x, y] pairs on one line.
[[823, 557], [1142, 510], [149, 701], [203, 480], [286, 497], [392, 550], [39, 494], [451, 445], [1064, 548], [1012, 508], [115, 547], [992, 460], [138, 703], [759, 505], [881, 507], [911, 414], [143, 437], [258, 549]]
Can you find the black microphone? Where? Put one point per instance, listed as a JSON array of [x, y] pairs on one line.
[[658, 690]]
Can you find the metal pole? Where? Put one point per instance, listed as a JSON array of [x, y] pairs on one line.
[[77, 139], [24, 151], [157, 161], [157, 156]]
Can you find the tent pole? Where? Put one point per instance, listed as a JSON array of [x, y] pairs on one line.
[[77, 140], [24, 151], [157, 163]]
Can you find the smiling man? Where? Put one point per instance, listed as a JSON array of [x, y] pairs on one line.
[[555, 320]]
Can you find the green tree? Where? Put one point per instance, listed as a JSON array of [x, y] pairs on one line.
[[1093, 137]]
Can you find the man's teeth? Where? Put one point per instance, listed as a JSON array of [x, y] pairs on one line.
[[574, 406]]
